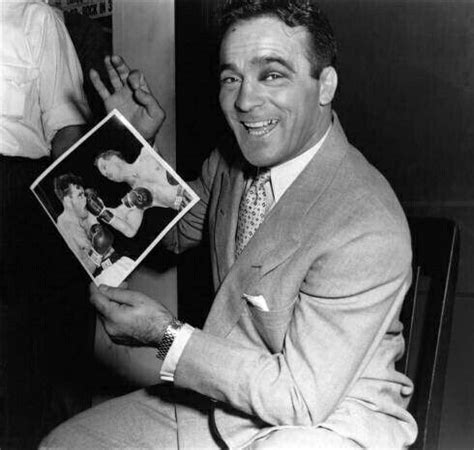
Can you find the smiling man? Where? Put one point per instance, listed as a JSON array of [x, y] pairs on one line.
[[275, 101], [311, 262]]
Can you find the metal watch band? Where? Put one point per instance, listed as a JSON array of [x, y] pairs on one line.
[[178, 201], [168, 338]]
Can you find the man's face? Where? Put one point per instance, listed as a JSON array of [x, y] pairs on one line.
[[267, 94], [78, 201], [111, 168]]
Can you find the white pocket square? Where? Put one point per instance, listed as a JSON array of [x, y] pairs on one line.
[[257, 300]]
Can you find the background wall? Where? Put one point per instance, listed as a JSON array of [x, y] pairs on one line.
[[199, 125]]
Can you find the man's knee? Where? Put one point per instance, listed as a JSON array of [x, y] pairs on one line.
[[304, 438], [141, 419], [59, 438]]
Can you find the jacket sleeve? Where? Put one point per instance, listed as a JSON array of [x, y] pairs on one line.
[[348, 300], [189, 231]]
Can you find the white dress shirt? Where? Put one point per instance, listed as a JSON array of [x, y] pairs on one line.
[[281, 176], [40, 79]]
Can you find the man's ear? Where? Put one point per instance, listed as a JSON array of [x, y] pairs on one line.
[[327, 85]]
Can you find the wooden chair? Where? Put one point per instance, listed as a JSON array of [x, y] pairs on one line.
[[426, 315]]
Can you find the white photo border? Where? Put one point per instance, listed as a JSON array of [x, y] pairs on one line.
[[192, 200]]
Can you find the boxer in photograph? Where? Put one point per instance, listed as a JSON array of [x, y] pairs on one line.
[[90, 241], [75, 221], [150, 182]]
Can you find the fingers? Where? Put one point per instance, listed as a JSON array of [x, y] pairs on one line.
[[100, 301], [124, 285], [143, 94], [121, 67], [118, 71], [98, 85], [114, 74], [118, 295], [151, 105], [111, 305], [144, 84], [137, 81]]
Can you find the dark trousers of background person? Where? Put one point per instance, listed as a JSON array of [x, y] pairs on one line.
[[46, 321]]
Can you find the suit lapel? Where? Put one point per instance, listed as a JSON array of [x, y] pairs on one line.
[[277, 238], [232, 187], [281, 232]]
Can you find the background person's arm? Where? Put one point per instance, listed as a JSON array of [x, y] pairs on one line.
[[62, 99]]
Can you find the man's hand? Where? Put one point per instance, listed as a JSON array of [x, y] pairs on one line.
[[131, 96], [130, 317]]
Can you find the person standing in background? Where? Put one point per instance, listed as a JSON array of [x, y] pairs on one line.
[[42, 113]]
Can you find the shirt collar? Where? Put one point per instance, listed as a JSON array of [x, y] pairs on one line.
[[283, 175]]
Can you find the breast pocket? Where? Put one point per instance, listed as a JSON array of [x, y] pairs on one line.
[[17, 86], [272, 325]]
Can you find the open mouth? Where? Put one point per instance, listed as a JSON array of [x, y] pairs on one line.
[[260, 128]]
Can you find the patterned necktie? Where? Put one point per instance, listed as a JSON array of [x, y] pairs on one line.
[[251, 211]]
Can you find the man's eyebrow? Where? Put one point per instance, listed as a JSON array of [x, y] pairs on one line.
[[227, 66], [269, 59], [260, 61]]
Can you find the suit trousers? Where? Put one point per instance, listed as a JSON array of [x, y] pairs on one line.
[[147, 419], [142, 419]]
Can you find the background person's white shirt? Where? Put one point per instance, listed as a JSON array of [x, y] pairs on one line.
[[40, 79]]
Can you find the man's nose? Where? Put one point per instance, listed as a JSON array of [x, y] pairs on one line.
[[249, 97]]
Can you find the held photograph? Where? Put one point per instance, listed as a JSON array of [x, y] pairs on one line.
[[112, 198]]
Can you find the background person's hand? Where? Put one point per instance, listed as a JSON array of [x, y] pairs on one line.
[[131, 96], [130, 317]]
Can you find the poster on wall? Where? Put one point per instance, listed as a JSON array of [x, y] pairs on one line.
[[112, 198], [90, 8]]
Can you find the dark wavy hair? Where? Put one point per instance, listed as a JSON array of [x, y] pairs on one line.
[[322, 49], [63, 183]]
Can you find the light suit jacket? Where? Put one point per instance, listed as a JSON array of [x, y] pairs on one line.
[[333, 261]]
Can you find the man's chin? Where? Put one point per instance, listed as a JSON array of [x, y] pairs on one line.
[[259, 157]]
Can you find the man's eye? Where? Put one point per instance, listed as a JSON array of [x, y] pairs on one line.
[[272, 76], [229, 80]]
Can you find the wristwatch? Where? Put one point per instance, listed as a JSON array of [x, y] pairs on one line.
[[178, 201], [168, 338]]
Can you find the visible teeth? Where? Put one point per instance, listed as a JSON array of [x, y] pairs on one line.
[[263, 123], [260, 128]]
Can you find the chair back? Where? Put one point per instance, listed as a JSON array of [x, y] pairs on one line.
[[426, 315]]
